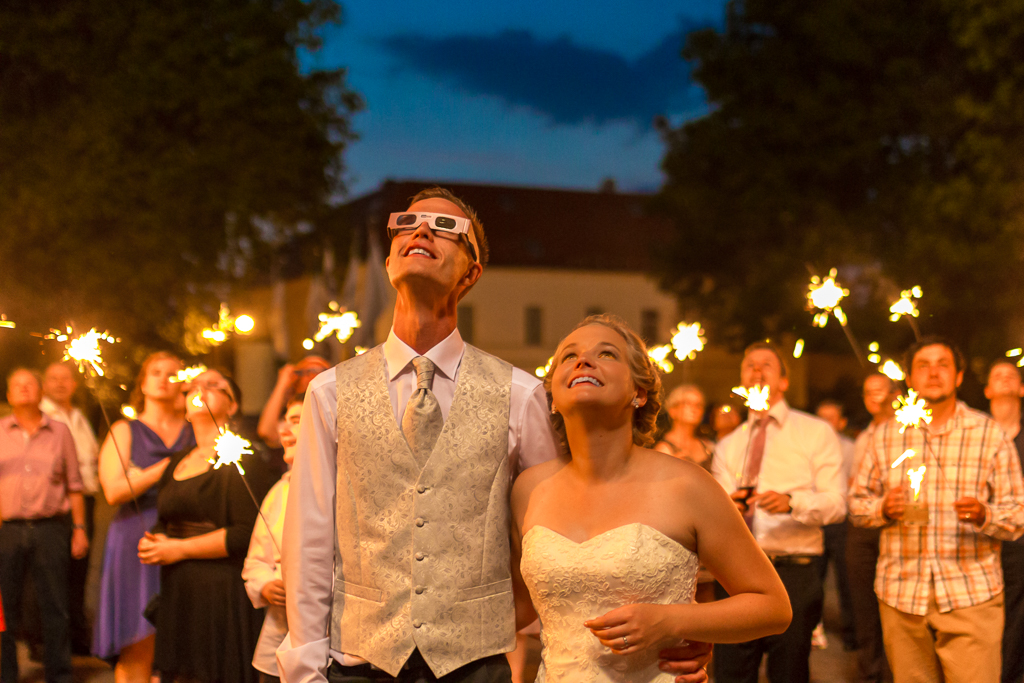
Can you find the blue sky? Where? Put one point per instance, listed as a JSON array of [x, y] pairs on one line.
[[554, 94]]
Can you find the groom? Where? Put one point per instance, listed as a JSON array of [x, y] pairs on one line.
[[396, 548]]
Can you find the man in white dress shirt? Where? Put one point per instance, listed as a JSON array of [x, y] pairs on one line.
[[395, 559], [793, 463], [60, 383]]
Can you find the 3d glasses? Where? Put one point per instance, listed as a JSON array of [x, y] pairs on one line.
[[437, 222]]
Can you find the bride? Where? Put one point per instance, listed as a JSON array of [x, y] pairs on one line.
[[608, 538]]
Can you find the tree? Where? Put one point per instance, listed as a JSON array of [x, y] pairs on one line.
[[865, 133], [151, 149]]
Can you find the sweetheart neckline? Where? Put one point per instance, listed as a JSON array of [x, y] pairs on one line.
[[608, 531]]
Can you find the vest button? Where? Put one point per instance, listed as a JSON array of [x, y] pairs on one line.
[[419, 590], [420, 521], [420, 557], [421, 489], [417, 624]]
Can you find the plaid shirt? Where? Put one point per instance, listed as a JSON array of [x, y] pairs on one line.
[[959, 559]]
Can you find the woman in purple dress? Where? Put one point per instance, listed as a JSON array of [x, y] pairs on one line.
[[127, 586]]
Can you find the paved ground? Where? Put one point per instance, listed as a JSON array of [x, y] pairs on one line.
[[831, 665]]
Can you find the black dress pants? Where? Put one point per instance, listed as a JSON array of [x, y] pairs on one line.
[[789, 652], [1013, 628], [493, 669], [861, 560], [42, 547]]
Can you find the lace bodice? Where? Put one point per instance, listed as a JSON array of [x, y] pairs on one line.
[[572, 582]]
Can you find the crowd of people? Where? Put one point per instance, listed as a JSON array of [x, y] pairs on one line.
[[432, 500]]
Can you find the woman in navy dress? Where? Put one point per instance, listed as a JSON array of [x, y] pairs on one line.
[[127, 586]]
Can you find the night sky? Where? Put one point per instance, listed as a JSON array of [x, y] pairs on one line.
[[539, 93]]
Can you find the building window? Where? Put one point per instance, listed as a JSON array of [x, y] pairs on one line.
[[649, 323], [465, 314], [593, 310], [533, 325]]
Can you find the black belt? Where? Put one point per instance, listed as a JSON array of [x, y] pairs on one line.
[[792, 560], [36, 520]]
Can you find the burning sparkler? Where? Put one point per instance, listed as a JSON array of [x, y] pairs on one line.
[[227, 323], [798, 348], [197, 401], [230, 448], [892, 370], [129, 411], [916, 477], [907, 455], [188, 374], [659, 356], [339, 323], [823, 296], [906, 307], [755, 398], [85, 350], [687, 340], [911, 411]]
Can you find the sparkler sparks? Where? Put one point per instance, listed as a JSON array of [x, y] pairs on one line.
[[230, 448], [85, 350], [905, 305], [197, 400], [129, 412], [227, 323], [755, 398], [916, 477], [659, 356], [892, 370], [687, 340], [341, 325], [911, 411], [542, 371], [825, 295], [189, 373], [907, 455]]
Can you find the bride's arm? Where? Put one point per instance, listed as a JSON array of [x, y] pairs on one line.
[[757, 606]]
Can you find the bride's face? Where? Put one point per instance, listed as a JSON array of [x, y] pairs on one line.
[[592, 371]]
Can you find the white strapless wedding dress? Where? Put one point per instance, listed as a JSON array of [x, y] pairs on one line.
[[572, 582]]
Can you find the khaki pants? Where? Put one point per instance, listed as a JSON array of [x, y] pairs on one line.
[[961, 646]]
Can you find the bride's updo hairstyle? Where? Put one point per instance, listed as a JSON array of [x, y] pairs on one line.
[[642, 370]]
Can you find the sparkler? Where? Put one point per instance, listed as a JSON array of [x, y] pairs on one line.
[[360, 350], [823, 296], [911, 411], [798, 348], [341, 325], [916, 477], [230, 448], [129, 411], [227, 323], [1013, 353], [907, 455], [687, 340], [188, 374], [659, 356], [892, 370], [906, 307], [756, 397]]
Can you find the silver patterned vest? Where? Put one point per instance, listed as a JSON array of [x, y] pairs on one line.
[[422, 555]]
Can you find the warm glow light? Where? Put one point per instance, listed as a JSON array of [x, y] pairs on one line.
[[197, 400], [1013, 353], [873, 347], [189, 373], [907, 455], [341, 325], [905, 305], [230, 448], [687, 340], [214, 335], [360, 350], [244, 324], [307, 344], [542, 371], [892, 370], [916, 477], [756, 397], [85, 350], [4, 322], [874, 358], [911, 411], [825, 295], [128, 411], [798, 348], [659, 356]]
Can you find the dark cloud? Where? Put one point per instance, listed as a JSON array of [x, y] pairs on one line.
[[569, 83]]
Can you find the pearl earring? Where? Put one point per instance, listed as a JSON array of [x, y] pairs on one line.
[[636, 402]]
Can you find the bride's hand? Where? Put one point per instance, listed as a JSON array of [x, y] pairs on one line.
[[633, 628]]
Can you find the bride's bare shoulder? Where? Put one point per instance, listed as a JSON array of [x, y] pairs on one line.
[[532, 477]]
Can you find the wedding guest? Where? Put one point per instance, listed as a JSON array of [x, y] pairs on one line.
[[685, 406], [39, 487], [142, 447], [725, 417], [292, 380], [942, 619]]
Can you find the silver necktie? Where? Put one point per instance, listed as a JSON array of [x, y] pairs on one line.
[[422, 422]]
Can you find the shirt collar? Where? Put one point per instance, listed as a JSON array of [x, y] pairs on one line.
[[10, 422], [963, 418], [779, 411], [446, 354]]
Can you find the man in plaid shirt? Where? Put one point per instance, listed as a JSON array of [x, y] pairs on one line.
[[940, 585]]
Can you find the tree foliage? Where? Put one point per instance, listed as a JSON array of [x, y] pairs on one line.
[[880, 135], [149, 149]]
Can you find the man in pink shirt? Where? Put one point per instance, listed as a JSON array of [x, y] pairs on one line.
[[39, 485]]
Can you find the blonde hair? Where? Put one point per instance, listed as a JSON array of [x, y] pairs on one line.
[[483, 249], [642, 370]]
